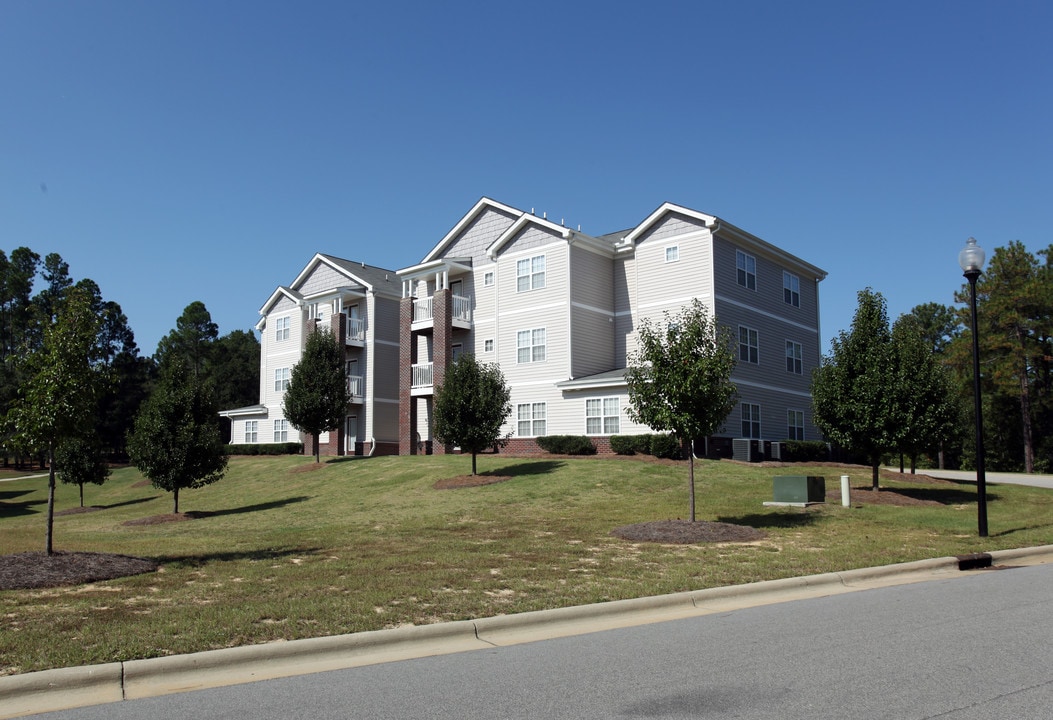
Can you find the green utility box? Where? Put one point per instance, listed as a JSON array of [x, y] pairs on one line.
[[799, 489]]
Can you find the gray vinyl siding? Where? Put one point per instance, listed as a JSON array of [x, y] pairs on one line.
[[592, 320], [285, 304], [480, 234], [671, 225], [624, 302], [321, 279], [386, 375], [530, 237], [385, 422], [385, 325], [774, 407]]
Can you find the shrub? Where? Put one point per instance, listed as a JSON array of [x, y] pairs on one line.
[[805, 451], [566, 444], [290, 448], [624, 444], [666, 446]]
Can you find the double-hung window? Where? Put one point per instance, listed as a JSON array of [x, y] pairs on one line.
[[530, 273], [746, 270], [488, 278], [252, 431], [281, 328], [531, 419], [672, 254], [749, 345], [601, 416], [281, 379], [750, 420], [791, 289], [530, 345], [794, 355], [281, 431], [795, 424]]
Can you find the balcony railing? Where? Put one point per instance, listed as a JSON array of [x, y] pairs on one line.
[[356, 386], [423, 310], [422, 375], [356, 330]]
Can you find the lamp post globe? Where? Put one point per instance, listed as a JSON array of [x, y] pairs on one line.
[[971, 260]]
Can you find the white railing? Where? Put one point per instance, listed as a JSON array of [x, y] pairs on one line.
[[356, 329], [355, 385], [422, 375], [423, 310]]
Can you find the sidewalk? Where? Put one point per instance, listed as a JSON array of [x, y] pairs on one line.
[[1033, 480]]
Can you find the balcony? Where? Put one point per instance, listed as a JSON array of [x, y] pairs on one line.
[[423, 316], [356, 332], [356, 387], [421, 380]]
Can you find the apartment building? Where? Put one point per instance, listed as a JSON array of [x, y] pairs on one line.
[[558, 310]]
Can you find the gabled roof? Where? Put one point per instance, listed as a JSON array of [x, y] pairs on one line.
[[277, 295], [368, 277], [479, 207], [637, 232], [521, 223]]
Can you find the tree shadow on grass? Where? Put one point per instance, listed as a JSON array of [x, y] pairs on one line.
[[136, 501], [781, 519], [9, 508], [944, 496], [274, 504], [537, 467], [261, 555]]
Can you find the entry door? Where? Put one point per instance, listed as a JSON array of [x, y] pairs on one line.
[[352, 434], [456, 287]]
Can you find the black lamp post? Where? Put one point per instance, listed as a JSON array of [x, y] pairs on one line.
[[971, 258]]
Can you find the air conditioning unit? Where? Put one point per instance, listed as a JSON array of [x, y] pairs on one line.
[[776, 451], [742, 449]]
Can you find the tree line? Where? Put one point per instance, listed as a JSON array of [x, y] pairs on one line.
[[75, 393]]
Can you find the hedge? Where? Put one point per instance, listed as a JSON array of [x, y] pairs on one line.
[[805, 451], [290, 448], [566, 444]]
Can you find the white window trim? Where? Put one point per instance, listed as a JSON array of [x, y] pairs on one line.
[[252, 431], [488, 345], [673, 250], [537, 278], [281, 328], [788, 282], [532, 347], [281, 379], [755, 419], [281, 427], [756, 336], [794, 413], [797, 357], [746, 258], [603, 416], [533, 419], [488, 278]]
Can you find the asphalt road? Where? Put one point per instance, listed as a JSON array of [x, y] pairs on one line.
[[971, 647]]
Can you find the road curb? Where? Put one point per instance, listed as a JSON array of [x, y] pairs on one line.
[[65, 688]]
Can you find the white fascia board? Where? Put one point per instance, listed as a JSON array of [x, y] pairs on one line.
[[277, 294], [667, 207], [522, 222], [590, 243], [357, 290], [457, 229], [570, 385], [427, 268], [727, 230], [320, 258]]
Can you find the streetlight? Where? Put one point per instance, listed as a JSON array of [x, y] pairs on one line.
[[971, 258]]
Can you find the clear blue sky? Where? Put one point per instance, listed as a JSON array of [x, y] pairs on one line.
[[186, 150]]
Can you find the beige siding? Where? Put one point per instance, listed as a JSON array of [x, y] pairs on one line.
[[592, 316]]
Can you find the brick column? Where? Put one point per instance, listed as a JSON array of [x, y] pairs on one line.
[[407, 403], [335, 446], [442, 314]]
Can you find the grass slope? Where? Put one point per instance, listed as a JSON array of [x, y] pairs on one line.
[[286, 549]]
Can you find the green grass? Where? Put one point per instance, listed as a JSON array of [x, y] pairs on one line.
[[294, 551]]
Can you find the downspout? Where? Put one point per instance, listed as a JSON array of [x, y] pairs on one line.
[[372, 446]]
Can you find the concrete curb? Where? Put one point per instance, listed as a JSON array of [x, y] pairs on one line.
[[66, 688]]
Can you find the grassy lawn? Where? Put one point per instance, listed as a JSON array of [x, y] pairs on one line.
[[293, 550]]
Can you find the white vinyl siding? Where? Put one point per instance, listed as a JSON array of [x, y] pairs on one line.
[[531, 419], [252, 430], [602, 416]]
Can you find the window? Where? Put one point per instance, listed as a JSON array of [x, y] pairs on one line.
[[456, 350], [530, 345], [746, 265], [601, 416], [749, 345], [488, 345], [794, 354], [281, 379], [750, 420], [672, 253], [281, 431], [530, 273], [281, 328], [791, 289], [795, 424], [531, 419], [252, 430], [488, 278]]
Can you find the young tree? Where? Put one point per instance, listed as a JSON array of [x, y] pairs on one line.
[[679, 379], [176, 442], [58, 397], [925, 397], [471, 405], [853, 390], [79, 459], [317, 397]]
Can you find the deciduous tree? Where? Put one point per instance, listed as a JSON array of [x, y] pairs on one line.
[[471, 405], [317, 397], [79, 459], [679, 379]]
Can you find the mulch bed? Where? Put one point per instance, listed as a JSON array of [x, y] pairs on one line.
[[40, 570]]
